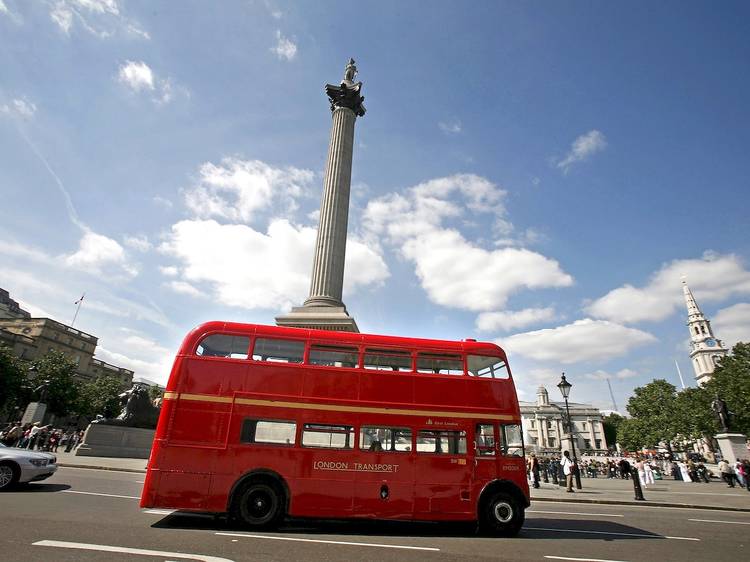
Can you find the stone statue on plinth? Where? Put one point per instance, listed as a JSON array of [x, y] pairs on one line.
[[723, 414], [43, 391], [138, 410]]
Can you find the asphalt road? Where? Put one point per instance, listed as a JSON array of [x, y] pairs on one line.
[[92, 515]]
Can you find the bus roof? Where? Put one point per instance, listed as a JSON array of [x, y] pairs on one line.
[[331, 336]]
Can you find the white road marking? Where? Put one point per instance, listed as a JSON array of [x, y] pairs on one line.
[[159, 511], [640, 506], [576, 513], [139, 481], [135, 551], [582, 559], [330, 542], [715, 521], [121, 471], [98, 494], [610, 533]]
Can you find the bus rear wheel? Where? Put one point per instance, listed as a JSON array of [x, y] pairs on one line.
[[502, 515], [260, 505]]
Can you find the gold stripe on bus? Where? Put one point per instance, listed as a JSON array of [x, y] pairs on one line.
[[336, 408]]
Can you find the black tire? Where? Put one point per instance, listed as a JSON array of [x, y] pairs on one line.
[[502, 515], [9, 475], [260, 505]]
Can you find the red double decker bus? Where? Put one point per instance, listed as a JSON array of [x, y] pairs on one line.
[[264, 422]]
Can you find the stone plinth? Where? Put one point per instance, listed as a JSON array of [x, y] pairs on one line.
[[34, 413], [319, 318], [733, 446], [116, 441]]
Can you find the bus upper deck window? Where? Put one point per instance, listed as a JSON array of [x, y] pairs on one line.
[[487, 367], [440, 364], [333, 356], [388, 360], [224, 345], [278, 351]]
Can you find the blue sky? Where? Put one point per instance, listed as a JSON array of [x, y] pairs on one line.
[[538, 174]]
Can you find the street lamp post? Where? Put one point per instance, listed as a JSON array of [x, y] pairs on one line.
[[564, 387]]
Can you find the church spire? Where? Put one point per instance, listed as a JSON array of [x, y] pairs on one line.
[[705, 350]]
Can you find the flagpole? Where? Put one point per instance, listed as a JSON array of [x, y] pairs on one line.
[[682, 382], [78, 302]]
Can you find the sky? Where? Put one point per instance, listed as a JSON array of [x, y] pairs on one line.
[[536, 174]]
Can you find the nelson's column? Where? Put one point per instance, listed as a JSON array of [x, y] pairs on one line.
[[324, 308]]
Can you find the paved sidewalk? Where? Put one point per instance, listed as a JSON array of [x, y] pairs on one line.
[[101, 463], [666, 493]]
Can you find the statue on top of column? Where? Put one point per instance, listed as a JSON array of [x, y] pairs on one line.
[[350, 72]]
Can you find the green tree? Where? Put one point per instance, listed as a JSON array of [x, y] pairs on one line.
[[731, 381], [14, 391], [693, 418], [654, 407], [630, 434], [100, 396], [56, 370], [611, 423]]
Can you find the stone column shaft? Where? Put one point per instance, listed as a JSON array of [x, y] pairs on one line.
[[327, 281]]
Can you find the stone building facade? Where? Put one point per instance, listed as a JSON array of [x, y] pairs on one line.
[[10, 308], [544, 426], [31, 338]]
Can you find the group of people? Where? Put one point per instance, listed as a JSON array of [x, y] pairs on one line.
[[35, 436], [648, 468], [738, 472]]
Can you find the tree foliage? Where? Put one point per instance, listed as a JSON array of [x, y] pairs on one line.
[[731, 381], [655, 407], [100, 396], [611, 423], [56, 370], [14, 391]]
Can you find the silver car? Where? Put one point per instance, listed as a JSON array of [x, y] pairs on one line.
[[19, 466]]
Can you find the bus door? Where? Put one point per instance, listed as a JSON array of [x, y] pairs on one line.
[[384, 477], [441, 473], [485, 452]]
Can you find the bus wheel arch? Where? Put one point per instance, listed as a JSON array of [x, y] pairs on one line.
[[259, 499], [501, 508]]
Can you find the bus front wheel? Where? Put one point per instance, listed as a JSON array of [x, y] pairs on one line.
[[260, 505], [502, 515]]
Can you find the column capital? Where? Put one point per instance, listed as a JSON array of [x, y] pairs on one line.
[[347, 94]]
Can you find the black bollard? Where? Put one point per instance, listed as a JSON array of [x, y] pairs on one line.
[[545, 467], [637, 485]]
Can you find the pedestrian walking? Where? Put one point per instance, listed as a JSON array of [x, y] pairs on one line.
[[568, 467], [534, 470], [726, 473]]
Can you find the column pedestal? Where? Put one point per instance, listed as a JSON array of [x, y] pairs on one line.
[[733, 446], [34, 413]]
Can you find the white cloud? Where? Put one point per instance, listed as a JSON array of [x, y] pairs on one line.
[[3, 8], [600, 375], [450, 127], [143, 356], [284, 48], [138, 77], [183, 288], [512, 319], [169, 271], [582, 148], [97, 252], [454, 271], [711, 278], [18, 107], [732, 324], [238, 190], [140, 243], [583, 340], [101, 18], [250, 269]]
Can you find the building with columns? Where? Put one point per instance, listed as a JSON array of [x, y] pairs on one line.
[[544, 430], [706, 351]]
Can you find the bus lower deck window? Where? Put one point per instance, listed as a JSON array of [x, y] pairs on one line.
[[441, 442], [272, 432], [376, 438], [328, 436], [512, 440]]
